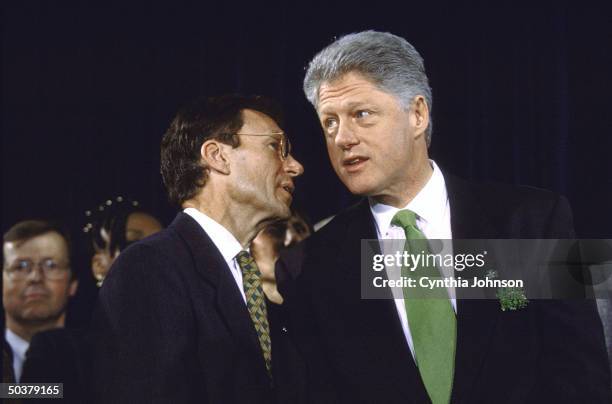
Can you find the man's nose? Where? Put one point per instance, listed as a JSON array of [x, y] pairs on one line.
[[345, 137], [293, 167], [35, 274]]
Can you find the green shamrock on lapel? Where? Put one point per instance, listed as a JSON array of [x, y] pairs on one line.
[[510, 298]]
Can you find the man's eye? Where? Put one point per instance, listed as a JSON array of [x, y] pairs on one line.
[[50, 264], [22, 265], [330, 123], [362, 114]]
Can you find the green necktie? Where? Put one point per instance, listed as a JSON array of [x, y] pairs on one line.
[[256, 304], [432, 321]]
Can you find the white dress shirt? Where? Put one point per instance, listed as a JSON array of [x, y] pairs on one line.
[[225, 242], [433, 220], [19, 346]]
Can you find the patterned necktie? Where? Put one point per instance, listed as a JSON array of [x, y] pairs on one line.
[[256, 304], [432, 321]]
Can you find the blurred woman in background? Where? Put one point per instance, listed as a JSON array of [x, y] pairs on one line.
[[268, 244], [113, 226]]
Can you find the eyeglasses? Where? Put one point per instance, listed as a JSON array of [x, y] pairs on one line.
[[21, 269], [284, 148]]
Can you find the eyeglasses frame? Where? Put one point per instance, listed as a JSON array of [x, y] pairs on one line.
[[285, 144], [12, 272]]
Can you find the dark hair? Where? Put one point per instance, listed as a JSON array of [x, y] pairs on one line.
[[298, 222], [26, 230], [205, 118], [277, 231], [111, 216]]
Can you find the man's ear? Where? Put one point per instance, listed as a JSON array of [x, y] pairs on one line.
[[419, 115], [74, 285], [214, 156]]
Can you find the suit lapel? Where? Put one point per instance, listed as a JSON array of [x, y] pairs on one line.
[[476, 319], [468, 217], [380, 317], [212, 267]]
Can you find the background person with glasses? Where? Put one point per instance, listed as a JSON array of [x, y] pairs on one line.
[[37, 283]]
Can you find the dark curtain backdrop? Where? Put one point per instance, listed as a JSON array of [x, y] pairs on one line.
[[521, 93]]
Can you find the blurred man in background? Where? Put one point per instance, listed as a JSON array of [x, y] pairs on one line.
[[37, 283]]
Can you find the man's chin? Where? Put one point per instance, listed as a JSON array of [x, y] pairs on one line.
[[38, 316], [283, 207], [280, 212], [360, 189]]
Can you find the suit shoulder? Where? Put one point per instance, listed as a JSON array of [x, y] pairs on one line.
[[158, 258], [57, 339], [57, 334], [513, 197], [339, 223], [520, 211], [165, 243], [320, 244]]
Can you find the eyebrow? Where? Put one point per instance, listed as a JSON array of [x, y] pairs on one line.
[[46, 257], [281, 132], [349, 106]]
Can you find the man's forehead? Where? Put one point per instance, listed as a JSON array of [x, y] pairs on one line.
[[345, 80], [8, 247], [350, 89], [47, 243], [258, 121]]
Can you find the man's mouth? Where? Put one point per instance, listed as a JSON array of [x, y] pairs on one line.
[[353, 164], [35, 293]]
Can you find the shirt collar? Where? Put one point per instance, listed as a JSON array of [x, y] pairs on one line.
[[18, 344], [225, 241], [428, 204]]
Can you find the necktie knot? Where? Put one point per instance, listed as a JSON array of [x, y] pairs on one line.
[[406, 219], [246, 262]]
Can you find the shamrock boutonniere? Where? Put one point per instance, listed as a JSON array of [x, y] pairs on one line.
[[510, 298]]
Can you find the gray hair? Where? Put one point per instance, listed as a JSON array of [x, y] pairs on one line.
[[388, 60]]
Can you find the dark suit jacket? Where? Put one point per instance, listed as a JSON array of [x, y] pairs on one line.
[[8, 375], [172, 327], [60, 355], [550, 351]]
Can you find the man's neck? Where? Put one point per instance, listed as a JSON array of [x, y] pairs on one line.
[[403, 193], [243, 222], [27, 329]]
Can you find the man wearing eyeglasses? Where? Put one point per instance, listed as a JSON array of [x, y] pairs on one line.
[[37, 283], [182, 316]]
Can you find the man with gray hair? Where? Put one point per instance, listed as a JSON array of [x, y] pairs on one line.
[[373, 101]]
